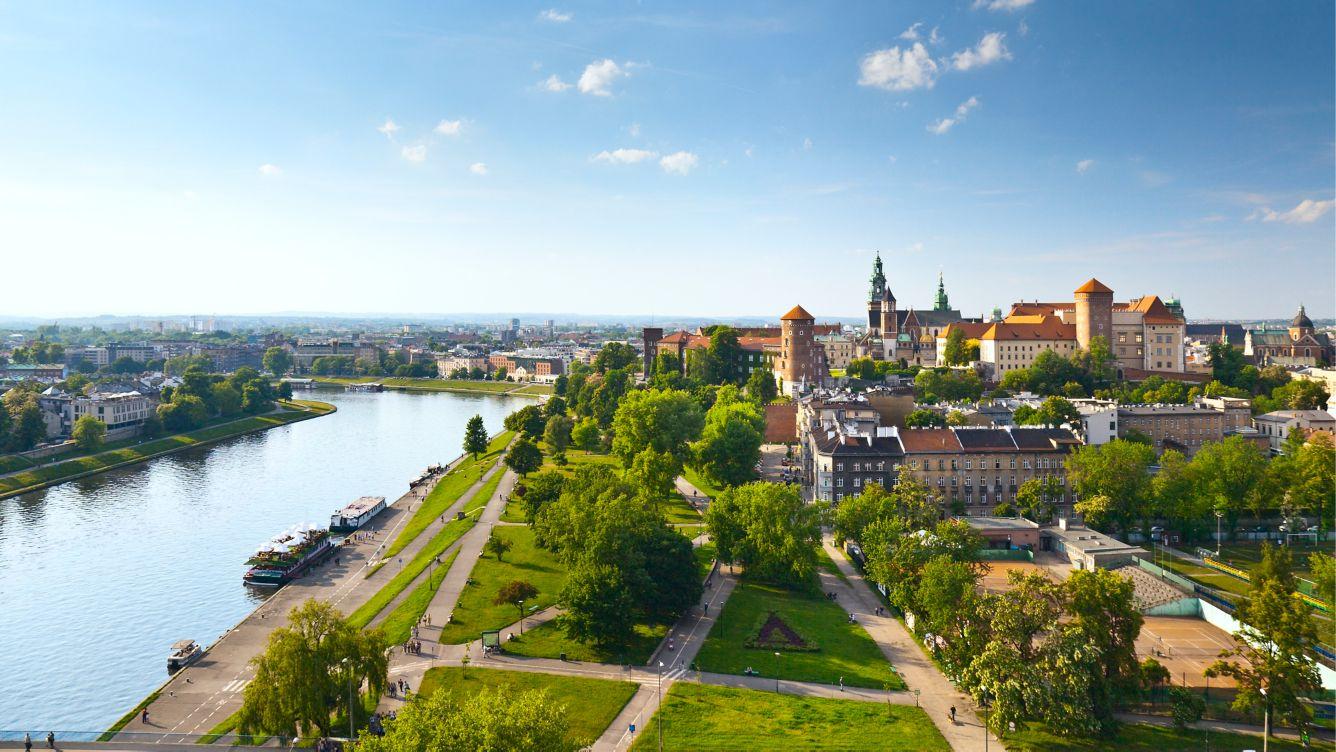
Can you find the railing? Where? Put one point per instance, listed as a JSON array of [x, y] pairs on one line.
[[63, 738], [1235, 572]]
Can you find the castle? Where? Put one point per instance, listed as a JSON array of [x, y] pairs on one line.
[[909, 335]]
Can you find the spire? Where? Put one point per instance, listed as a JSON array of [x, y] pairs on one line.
[[878, 280], [941, 303]]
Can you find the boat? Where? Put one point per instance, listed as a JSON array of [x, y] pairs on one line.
[[282, 559], [372, 386], [184, 653], [356, 514]]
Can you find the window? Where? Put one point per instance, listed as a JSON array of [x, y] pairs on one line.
[[969, 464], [954, 465], [858, 482], [839, 482], [839, 467], [941, 464], [881, 466], [1013, 463]]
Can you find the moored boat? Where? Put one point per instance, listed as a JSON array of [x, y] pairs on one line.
[[286, 556], [184, 653], [356, 514]]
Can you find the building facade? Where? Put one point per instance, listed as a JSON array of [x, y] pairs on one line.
[[1276, 426], [1186, 428], [1299, 345]]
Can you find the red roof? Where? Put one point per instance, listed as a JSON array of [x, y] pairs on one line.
[[1093, 285], [798, 313], [929, 440]]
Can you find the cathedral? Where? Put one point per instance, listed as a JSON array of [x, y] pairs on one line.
[[908, 335]]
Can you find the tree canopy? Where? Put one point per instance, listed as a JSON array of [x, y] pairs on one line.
[[767, 528]]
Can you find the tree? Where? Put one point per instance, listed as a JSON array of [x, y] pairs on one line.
[[585, 435], [725, 357], [1105, 621], [614, 357], [277, 361], [89, 433], [26, 426], [185, 412], [730, 443], [554, 406], [1306, 472], [524, 457], [952, 607], [597, 606], [491, 719], [1231, 475], [941, 385], [768, 529], [655, 473], [539, 490], [515, 593], [497, 546], [527, 420], [475, 437], [1186, 706], [1056, 411], [557, 434], [954, 353], [761, 386], [662, 420], [957, 418], [1038, 498], [1227, 363], [909, 505], [1271, 645], [925, 419], [896, 555], [226, 400], [1113, 481], [150, 428], [305, 671]]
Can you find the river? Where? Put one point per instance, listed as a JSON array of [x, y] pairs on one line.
[[99, 576]]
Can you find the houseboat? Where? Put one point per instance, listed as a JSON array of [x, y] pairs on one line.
[[373, 386], [286, 556], [184, 653], [356, 514]]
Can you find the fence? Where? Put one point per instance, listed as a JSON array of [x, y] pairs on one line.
[[1006, 554], [1220, 566], [1165, 574]]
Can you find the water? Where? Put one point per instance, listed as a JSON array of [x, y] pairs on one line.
[[98, 577]]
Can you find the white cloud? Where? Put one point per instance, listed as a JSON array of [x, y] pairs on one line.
[[478, 168], [898, 70], [414, 153], [680, 162], [624, 156], [1084, 166], [990, 49], [1006, 5], [270, 171], [389, 129], [600, 75], [554, 83], [945, 124], [1307, 212], [633, 129], [807, 144], [555, 16], [891, 158], [748, 152], [934, 37], [1023, 29], [912, 33], [449, 127]]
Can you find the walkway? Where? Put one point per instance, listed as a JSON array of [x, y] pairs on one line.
[[936, 693]]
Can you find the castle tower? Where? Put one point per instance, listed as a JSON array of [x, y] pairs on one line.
[[874, 298], [651, 336], [1301, 325], [1094, 313], [798, 358]]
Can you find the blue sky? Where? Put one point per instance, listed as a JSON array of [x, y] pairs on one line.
[[713, 158]]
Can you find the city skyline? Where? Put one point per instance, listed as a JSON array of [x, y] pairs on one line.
[[244, 162]]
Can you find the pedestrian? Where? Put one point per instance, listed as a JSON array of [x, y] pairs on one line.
[[953, 713], [143, 717], [51, 739], [841, 683], [27, 742], [705, 609]]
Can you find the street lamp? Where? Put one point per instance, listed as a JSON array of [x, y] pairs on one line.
[[777, 657], [1266, 718], [352, 732], [1218, 516], [521, 617], [659, 704]]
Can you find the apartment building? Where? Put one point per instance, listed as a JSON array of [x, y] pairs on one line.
[[1186, 428], [1276, 426]]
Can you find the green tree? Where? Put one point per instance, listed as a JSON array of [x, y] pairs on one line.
[[953, 608], [89, 433], [527, 420], [185, 412], [497, 546], [1186, 706], [1227, 363], [941, 385], [614, 357], [585, 435], [1056, 411], [768, 529], [725, 357], [1270, 648], [498, 720], [761, 386], [557, 434], [475, 437], [1322, 568], [596, 606], [665, 421], [1113, 481], [539, 490], [524, 457], [277, 361], [1306, 473], [1105, 621], [225, 399], [26, 426], [1232, 475], [957, 418], [730, 443], [305, 671], [909, 505], [925, 419], [654, 473], [1038, 498], [150, 428], [955, 351], [896, 555], [515, 592]]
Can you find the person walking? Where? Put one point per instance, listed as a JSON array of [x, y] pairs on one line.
[[143, 717], [51, 739], [953, 713], [841, 683], [27, 742]]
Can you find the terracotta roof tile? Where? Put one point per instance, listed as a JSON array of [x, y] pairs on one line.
[[797, 313], [1093, 285], [919, 440]]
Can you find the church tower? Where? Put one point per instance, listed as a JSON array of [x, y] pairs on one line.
[[940, 303], [1301, 326], [874, 297]]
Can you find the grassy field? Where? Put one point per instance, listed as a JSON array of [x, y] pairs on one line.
[[398, 625], [1141, 738], [1206, 576], [535, 389], [524, 561], [448, 490], [678, 512], [577, 457], [591, 704], [453, 530], [548, 641], [704, 557], [703, 717], [845, 649], [131, 454], [699, 481]]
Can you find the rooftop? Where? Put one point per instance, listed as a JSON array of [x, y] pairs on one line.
[[999, 523]]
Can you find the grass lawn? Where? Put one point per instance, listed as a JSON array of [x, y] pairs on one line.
[[704, 717], [524, 561], [699, 481], [704, 558], [826, 564], [453, 530], [591, 704], [578, 457], [128, 452], [1206, 576], [535, 389], [398, 625], [448, 490], [845, 649], [514, 512], [549, 641], [12, 463], [1140, 738], [678, 511]]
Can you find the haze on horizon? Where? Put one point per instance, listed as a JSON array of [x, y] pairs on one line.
[[668, 159]]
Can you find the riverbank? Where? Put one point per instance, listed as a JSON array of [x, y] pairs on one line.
[[62, 471], [514, 389]]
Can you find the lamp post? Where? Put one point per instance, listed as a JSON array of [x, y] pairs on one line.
[[1266, 718], [659, 704], [777, 657], [352, 732], [521, 617], [1218, 516]]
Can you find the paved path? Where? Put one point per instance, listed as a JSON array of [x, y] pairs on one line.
[[937, 694], [200, 697]]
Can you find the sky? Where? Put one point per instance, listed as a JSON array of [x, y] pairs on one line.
[[710, 159]]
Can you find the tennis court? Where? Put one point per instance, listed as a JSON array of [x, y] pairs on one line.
[[995, 579], [1186, 646]]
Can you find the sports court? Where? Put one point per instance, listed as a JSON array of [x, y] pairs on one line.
[[1186, 646], [995, 579]]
